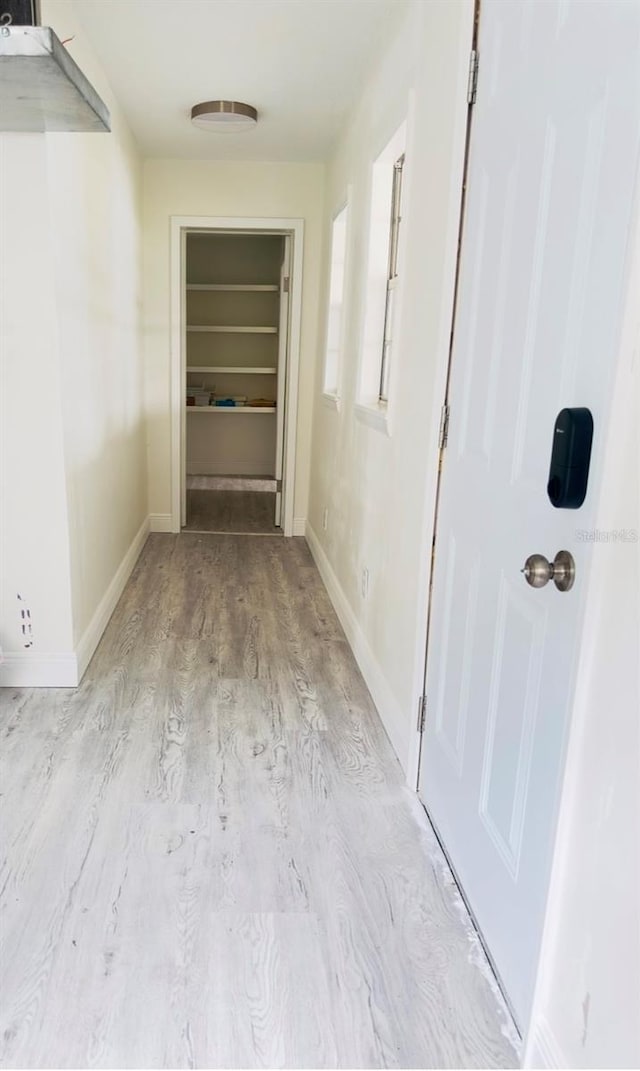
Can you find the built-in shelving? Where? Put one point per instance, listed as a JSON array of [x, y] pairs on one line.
[[219, 369], [235, 287], [230, 408], [237, 330], [233, 326]]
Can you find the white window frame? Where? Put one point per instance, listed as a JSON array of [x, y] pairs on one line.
[[335, 317], [390, 306], [381, 314]]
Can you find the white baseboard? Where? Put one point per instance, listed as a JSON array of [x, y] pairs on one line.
[[30, 669], [26, 669], [160, 522], [542, 1048], [390, 712], [299, 526], [100, 619]]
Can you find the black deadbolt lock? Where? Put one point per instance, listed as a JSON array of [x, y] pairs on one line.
[[570, 457]]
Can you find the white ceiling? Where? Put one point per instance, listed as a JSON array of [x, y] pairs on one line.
[[299, 62]]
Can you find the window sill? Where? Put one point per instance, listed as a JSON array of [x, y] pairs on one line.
[[331, 401], [375, 415]]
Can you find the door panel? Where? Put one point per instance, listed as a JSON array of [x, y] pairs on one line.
[[552, 167], [516, 671], [452, 703]]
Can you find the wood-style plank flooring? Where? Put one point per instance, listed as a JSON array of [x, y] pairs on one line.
[[231, 483], [231, 511], [210, 857]]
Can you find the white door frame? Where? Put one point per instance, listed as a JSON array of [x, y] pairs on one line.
[[441, 374], [180, 225], [283, 357]]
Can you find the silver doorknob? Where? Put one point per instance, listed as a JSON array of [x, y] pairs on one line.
[[562, 570]]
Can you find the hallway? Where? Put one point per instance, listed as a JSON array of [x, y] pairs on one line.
[[213, 859]]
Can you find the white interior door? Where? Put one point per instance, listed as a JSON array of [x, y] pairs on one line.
[[283, 349], [552, 167]]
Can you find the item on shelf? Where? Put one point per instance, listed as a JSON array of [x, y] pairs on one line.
[[225, 402], [262, 403], [202, 397], [237, 399]]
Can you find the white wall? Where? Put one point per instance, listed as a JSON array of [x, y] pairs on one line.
[[77, 500], [95, 189], [228, 445], [587, 1007], [206, 188], [34, 535], [377, 486]]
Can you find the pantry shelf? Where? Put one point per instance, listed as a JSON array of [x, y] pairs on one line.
[[208, 369], [234, 329], [235, 333], [235, 287], [246, 409]]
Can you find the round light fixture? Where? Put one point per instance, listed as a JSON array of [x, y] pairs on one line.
[[224, 115]]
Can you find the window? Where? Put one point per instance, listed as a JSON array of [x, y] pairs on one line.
[[392, 278], [333, 351], [384, 264]]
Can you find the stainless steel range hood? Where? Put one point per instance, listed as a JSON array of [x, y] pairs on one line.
[[42, 88]]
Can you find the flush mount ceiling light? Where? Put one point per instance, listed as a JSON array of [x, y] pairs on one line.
[[224, 115]]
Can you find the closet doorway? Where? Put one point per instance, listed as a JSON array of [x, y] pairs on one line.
[[236, 294]]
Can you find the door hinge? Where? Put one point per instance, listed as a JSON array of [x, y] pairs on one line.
[[444, 427], [422, 713], [285, 285], [472, 84], [279, 485]]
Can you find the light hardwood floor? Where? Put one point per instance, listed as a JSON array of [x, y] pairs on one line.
[[231, 511], [210, 856], [230, 483]]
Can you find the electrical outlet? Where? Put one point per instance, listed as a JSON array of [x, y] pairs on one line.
[[325, 518], [364, 583]]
